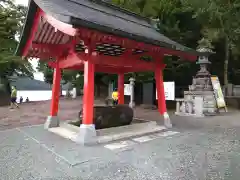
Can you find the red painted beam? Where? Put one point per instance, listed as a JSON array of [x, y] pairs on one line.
[[61, 26], [123, 62], [108, 70], [43, 28], [47, 33], [33, 31], [176, 53], [53, 37], [74, 59], [51, 64], [113, 70], [44, 55], [55, 48], [71, 60], [97, 37], [138, 70]]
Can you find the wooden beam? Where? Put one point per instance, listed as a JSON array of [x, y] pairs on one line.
[[97, 37], [33, 31], [123, 62], [52, 47], [112, 70], [74, 59], [70, 60]]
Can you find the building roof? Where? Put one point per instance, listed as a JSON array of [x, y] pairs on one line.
[[102, 16], [28, 84]]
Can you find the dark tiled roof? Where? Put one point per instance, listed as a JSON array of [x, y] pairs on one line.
[[104, 17], [29, 84]]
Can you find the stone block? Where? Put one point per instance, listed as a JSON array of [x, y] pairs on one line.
[[87, 135], [51, 122], [198, 102], [109, 116]]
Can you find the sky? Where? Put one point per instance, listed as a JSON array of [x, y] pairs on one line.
[[23, 2], [34, 62]]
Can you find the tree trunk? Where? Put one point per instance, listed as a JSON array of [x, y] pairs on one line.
[[4, 92], [225, 70]]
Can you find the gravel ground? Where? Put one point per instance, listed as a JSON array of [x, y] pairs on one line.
[[34, 113], [205, 149], [193, 154]]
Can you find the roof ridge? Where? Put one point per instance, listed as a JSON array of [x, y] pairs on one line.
[[100, 2]]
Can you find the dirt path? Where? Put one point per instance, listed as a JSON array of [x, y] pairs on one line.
[[36, 112]]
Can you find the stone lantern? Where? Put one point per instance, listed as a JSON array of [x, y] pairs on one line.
[[199, 100]]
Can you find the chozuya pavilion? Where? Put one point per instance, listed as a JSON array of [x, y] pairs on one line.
[[95, 36]]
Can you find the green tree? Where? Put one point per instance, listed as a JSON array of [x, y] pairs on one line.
[[46, 70], [171, 19], [11, 21], [221, 22], [67, 75]]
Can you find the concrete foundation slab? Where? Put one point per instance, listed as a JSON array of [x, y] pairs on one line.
[[105, 135], [52, 121]]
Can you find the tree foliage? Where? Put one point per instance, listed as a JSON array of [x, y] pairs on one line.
[[172, 20], [193, 23], [220, 20], [11, 21], [208, 23]]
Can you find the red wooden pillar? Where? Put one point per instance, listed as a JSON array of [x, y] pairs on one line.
[[160, 90], [52, 120], [161, 94], [55, 91], [88, 94], [120, 88], [87, 133]]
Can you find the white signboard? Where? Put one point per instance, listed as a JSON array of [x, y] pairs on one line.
[[218, 92], [127, 89], [169, 89]]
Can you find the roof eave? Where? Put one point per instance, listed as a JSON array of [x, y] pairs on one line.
[[32, 9], [80, 23]]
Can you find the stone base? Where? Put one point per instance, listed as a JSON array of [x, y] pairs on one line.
[[72, 133], [188, 114], [87, 135], [209, 102], [167, 121], [132, 104], [51, 122]]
